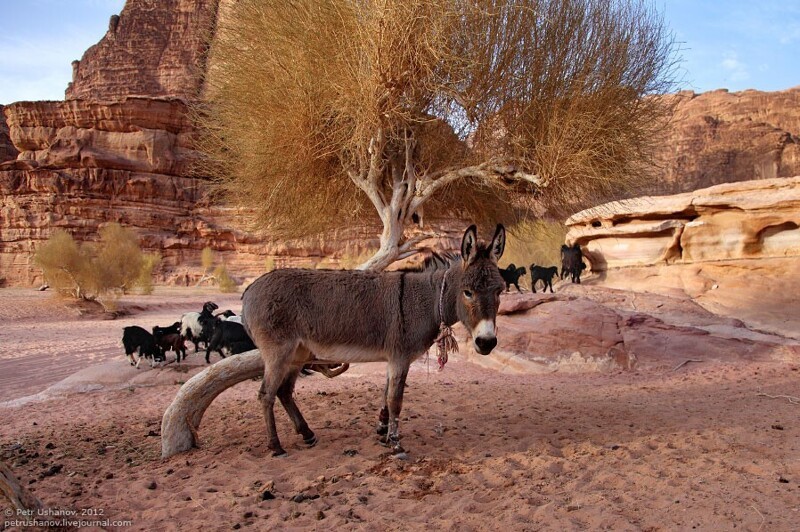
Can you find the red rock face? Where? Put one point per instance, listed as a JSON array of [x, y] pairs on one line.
[[720, 137], [7, 149], [746, 220], [153, 48]]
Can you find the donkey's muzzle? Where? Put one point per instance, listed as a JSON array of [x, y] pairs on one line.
[[485, 344]]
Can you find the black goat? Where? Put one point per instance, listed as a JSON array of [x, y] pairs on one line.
[[540, 273], [175, 328], [572, 262], [564, 251], [226, 335], [511, 276], [234, 348], [136, 338]]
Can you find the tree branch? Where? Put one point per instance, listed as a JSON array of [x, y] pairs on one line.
[[488, 172], [414, 240], [182, 418]]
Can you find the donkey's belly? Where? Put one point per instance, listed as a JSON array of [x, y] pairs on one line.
[[344, 353]]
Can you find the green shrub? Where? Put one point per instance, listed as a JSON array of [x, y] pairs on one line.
[[145, 279]]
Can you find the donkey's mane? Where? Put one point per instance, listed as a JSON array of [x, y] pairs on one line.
[[435, 260]]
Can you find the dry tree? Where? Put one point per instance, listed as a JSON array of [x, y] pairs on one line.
[[318, 113]]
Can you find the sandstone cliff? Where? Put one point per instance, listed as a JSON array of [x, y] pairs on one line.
[[152, 48], [7, 149], [747, 220], [720, 137]]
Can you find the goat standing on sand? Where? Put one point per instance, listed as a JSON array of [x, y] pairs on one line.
[[192, 324], [363, 316], [135, 338]]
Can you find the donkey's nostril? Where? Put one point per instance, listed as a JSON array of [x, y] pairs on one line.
[[485, 344]]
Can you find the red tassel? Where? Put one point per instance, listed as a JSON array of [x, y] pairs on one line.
[[445, 343]]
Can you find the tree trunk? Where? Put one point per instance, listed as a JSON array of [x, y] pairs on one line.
[[20, 498], [182, 418], [390, 247]]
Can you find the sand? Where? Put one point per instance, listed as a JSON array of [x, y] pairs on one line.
[[700, 447]]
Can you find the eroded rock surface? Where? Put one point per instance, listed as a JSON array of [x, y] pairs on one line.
[[746, 220], [151, 49], [720, 137]]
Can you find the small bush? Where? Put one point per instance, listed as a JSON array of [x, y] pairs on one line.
[[93, 269], [145, 279], [224, 280], [118, 258], [207, 259]]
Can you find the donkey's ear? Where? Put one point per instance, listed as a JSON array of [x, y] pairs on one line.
[[498, 244], [469, 244]]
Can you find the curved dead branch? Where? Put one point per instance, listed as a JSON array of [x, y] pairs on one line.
[[182, 418]]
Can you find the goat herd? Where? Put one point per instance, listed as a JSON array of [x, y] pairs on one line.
[[572, 265], [222, 332]]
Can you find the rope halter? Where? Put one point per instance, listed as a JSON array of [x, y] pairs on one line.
[[445, 341]]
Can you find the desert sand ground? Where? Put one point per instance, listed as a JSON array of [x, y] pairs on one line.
[[703, 446]]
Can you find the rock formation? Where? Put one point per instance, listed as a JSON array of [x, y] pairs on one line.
[[153, 48], [733, 248], [720, 137], [7, 150], [746, 220]]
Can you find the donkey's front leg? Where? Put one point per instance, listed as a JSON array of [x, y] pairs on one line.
[[396, 384], [266, 396]]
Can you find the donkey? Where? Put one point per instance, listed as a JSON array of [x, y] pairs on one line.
[[362, 316]]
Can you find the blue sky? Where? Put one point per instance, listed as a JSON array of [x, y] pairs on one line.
[[733, 44]]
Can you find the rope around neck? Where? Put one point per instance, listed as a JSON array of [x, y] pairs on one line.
[[445, 341]]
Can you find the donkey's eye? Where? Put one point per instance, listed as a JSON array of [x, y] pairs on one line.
[[468, 294]]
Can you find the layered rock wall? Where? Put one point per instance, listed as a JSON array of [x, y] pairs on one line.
[[746, 220], [7, 149]]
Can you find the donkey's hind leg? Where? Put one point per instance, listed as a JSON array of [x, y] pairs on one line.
[[383, 416], [277, 360], [286, 396]]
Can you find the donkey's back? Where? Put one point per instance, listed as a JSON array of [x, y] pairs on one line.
[[326, 308]]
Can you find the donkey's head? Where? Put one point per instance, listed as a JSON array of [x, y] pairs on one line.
[[481, 286]]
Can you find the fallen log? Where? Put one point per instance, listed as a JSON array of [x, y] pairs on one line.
[[20, 498], [182, 418]]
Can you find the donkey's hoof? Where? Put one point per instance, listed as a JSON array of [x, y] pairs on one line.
[[311, 441], [402, 455], [280, 454]]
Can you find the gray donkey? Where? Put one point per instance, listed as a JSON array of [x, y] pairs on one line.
[[296, 317]]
